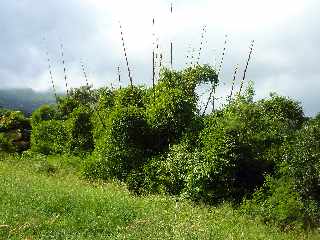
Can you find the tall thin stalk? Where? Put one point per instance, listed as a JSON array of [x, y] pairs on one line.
[[188, 55], [246, 68], [203, 32], [119, 76], [51, 75], [192, 57], [233, 82], [160, 64], [171, 43], [88, 85], [153, 58], [64, 68], [157, 56], [214, 86], [84, 73], [126, 56]]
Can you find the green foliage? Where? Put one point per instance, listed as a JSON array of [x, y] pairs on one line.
[[155, 140], [67, 127], [44, 113], [106, 98], [279, 203], [50, 137], [80, 128], [301, 161], [172, 112], [239, 145], [82, 96], [130, 96], [13, 120], [121, 146], [5, 143], [14, 131]]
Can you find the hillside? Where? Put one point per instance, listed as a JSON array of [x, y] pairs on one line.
[[24, 99]]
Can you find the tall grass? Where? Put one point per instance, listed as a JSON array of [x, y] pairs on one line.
[[37, 203]]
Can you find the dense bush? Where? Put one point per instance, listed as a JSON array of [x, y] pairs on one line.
[[65, 127], [278, 202], [14, 131], [44, 113], [301, 160], [291, 197], [237, 144], [50, 137], [156, 140], [80, 127], [121, 147]]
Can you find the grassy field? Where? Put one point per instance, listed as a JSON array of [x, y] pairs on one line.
[[45, 199]]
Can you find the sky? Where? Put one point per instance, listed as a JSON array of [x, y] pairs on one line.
[[285, 56]]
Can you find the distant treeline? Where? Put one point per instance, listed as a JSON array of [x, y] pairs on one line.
[[24, 99]]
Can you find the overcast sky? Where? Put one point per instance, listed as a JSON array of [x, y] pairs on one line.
[[285, 59]]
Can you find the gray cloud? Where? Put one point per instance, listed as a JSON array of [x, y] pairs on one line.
[[285, 59]]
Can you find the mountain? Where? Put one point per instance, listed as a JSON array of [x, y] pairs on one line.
[[24, 99]]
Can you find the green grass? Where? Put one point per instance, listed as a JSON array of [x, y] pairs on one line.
[[45, 199]]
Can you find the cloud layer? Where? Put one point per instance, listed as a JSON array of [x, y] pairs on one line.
[[285, 58]]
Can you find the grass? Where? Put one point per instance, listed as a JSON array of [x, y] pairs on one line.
[[45, 199]]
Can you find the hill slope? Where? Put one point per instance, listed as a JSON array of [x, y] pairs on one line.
[[24, 99]]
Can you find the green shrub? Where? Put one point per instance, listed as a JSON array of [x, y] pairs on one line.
[[13, 120], [106, 99], [130, 96], [80, 128], [279, 203], [239, 145], [301, 160], [121, 147], [50, 137], [14, 132], [172, 109], [174, 169], [5, 143], [44, 113]]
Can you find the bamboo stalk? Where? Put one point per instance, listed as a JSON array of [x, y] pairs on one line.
[[188, 53], [171, 43], [84, 73], [88, 85], [160, 64], [51, 75], [119, 76], [64, 68], [214, 86], [201, 43], [246, 68], [126, 56], [153, 58], [192, 57], [157, 53], [233, 82]]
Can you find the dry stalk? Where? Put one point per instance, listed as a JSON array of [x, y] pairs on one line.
[[125, 55], [246, 68]]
